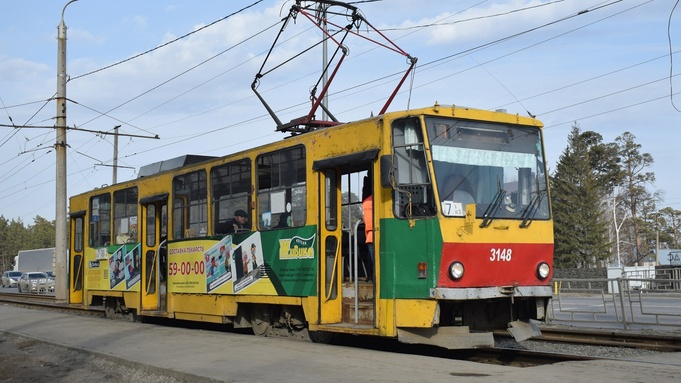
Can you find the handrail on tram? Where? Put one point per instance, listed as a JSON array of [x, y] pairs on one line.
[[153, 269], [355, 260]]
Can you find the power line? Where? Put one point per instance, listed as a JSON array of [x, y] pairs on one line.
[[341, 91], [460, 53], [611, 110], [174, 77], [606, 95], [198, 65], [166, 44], [439, 24], [589, 79]]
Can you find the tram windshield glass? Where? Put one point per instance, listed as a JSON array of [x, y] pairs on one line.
[[499, 168]]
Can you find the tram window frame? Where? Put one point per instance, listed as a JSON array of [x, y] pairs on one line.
[[413, 190], [78, 235], [100, 220], [331, 199], [151, 226], [282, 188], [125, 212], [190, 205], [231, 190]]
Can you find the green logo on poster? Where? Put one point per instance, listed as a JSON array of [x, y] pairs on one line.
[[296, 248]]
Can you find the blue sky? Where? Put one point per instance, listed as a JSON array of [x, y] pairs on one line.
[[607, 69]]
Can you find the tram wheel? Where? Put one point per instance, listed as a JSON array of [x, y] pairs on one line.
[[135, 317], [110, 308], [324, 337], [260, 319]]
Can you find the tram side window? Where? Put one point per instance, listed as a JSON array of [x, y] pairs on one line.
[[231, 191], [125, 215], [413, 189], [100, 220], [282, 199], [190, 205]]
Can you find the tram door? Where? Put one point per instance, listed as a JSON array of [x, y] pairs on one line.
[[331, 260], [76, 266], [346, 288], [154, 249]]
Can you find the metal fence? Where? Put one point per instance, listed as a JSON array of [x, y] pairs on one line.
[[653, 301]]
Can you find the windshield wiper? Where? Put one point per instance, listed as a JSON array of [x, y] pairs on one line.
[[531, 209], [491, 210]]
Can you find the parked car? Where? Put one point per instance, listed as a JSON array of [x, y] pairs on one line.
[[10, 278], [51, 281], [33, 282]]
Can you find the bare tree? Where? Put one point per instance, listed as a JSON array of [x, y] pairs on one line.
[[640, 202]]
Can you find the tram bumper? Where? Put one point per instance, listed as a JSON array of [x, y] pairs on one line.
[[455, 337]]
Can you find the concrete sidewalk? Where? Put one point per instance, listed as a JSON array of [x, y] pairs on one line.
[[196, 355]]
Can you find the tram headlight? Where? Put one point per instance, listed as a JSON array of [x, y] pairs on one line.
[[543, 270], [456, 270]]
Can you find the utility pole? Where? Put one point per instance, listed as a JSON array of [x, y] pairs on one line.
[[325, 59], [61, 241], [115, 161], [657, 240]]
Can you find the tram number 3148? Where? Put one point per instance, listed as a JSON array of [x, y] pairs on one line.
[[500, 255]]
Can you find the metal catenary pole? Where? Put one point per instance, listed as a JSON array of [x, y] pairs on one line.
[[61, 241]]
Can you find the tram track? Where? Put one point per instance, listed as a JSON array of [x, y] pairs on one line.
[[648, 341], [46, 302], [645, 340]]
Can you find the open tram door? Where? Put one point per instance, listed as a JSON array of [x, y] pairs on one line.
[[346, 288], [155, 254]]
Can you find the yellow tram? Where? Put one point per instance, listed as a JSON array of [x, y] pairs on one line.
[[460, 219]]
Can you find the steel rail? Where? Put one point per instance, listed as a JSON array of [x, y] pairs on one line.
[[644, 339]]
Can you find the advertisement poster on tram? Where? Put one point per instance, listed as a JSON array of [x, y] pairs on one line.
[[124, 266], [206, 266], [116, 272], [247, 262], [218, 267], [277, 262], [132, 266]]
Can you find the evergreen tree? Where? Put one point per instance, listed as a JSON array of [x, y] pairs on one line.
[[670, 224], [5, 261], [14, 236], [42, 233], [15, 239], [584, 174]]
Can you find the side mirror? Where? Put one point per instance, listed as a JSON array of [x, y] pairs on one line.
[[386, 171]]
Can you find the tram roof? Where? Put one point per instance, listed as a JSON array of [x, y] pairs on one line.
[[173, 163]]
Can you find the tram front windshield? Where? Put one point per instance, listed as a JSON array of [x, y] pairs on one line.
[[499, 168]]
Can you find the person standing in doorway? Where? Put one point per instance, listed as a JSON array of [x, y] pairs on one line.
[[367, 209]]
